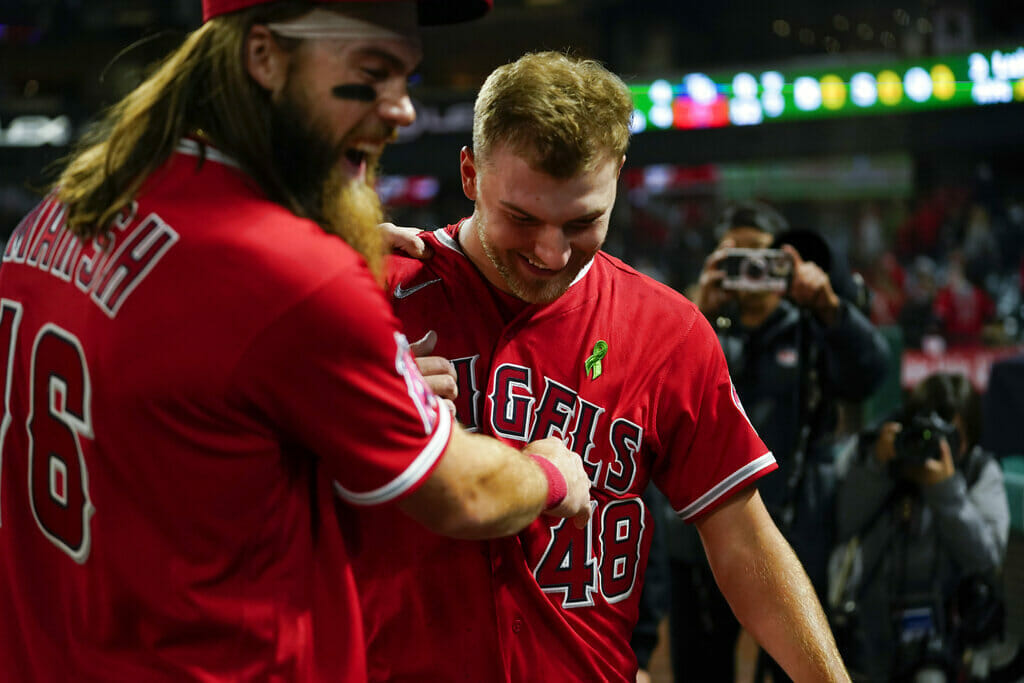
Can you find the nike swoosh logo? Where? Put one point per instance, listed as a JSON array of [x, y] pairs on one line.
[[402, 292]]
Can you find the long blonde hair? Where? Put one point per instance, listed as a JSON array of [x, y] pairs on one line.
[[203, 86]]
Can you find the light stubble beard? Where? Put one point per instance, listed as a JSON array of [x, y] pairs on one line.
[[538, 291]]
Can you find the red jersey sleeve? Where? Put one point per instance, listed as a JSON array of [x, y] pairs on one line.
[[335, 375], [710, 449]]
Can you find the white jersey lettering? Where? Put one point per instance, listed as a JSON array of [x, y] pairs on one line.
[[108, 267]]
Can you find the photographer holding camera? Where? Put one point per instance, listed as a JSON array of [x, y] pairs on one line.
[[923, 521], [794, 347]]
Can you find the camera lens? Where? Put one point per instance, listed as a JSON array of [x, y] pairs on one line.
[[754, 268]]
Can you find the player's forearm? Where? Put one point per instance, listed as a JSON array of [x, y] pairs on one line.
[[480, 489], [769, 592], [777, 604]]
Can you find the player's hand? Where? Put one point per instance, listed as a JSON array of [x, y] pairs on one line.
[[642, 676], [811, 288], [576, 503], [438, 372], [405, 240], [710, 295]]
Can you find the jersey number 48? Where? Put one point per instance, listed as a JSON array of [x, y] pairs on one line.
[[569, 565]]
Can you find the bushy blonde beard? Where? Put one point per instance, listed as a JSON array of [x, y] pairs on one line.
[[309, 162], [352, 211]]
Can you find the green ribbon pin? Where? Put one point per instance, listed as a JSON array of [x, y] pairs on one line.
[[593, 364]]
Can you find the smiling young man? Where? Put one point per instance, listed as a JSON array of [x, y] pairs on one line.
[[197, 366], [550, 336]]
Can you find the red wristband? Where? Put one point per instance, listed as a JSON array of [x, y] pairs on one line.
[[557, 488]]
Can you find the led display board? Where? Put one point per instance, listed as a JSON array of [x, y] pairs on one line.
[[746, 98], [885, 176]]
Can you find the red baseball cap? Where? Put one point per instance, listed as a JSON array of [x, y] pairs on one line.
[[431, 12]]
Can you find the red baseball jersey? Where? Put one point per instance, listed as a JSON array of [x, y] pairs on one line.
[[178, 404], [629, 374]]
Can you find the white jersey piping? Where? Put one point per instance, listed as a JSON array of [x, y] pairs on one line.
[[412, 474], [717, 491]]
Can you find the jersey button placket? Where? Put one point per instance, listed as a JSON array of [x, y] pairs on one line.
[[517, 625]]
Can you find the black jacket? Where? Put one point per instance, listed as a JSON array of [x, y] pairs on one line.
[[792, 371]]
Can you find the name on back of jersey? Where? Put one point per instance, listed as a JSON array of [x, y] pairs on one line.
[[107, 268]]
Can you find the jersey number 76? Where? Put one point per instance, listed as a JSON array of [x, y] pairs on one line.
[[55, 411]]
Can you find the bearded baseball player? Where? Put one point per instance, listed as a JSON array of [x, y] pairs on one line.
[[198, 357], [549, 336]]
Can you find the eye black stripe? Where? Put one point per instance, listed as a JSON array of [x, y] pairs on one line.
[[355, 91]]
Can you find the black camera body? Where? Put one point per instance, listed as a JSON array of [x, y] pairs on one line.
[[756, 270], [919, 439]]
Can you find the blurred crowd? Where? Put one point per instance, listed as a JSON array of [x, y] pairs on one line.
[[902, 526], [948, 270], [945, 265]]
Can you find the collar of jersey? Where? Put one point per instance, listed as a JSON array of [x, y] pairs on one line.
[[451, 241], [193, 148]]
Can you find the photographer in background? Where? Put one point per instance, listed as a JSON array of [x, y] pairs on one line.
[[794, 347], [922, 518]]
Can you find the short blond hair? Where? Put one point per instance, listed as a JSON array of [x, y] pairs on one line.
[[562, 114]]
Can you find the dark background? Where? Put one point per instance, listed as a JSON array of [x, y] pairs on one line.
[[70, 57], [74, 57]]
